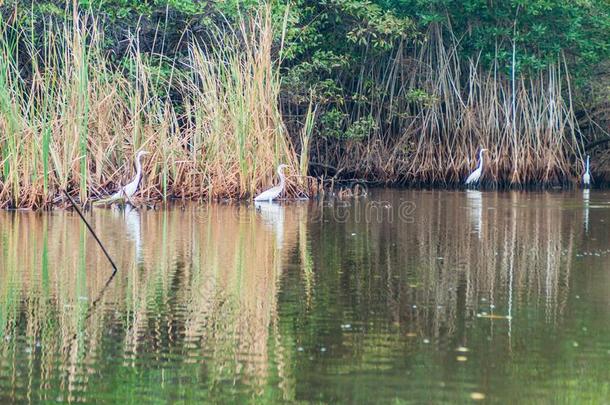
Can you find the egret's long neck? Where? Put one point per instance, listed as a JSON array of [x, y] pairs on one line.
[[280, 173], [480, 159], [138, 169], [587, 164]]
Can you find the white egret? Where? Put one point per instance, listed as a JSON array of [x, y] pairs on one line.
[[130, 189], [586, 178], [476, 175], [274, 192]]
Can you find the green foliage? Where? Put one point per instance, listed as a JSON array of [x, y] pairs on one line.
[[361, 128], [541, 29], [419, 96], [318, 33], [338, 53], [332, 122]]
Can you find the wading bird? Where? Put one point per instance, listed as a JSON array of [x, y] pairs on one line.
[[130, 189], [476, 175], [274, 192], [586, 178]]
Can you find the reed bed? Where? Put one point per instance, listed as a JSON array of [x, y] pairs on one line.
[[437, 110], [70, 119]]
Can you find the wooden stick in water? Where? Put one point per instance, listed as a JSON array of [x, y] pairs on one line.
[[92, 232]]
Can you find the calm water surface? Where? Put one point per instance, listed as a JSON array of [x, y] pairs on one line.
[[403, 297]]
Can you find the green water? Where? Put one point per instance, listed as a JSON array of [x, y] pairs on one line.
[[402, 297]]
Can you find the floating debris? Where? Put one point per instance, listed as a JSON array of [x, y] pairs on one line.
[[493, 316], [477, 396]]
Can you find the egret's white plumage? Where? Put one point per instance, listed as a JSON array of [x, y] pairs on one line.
[[476, 174], [586, 178], [130, 189], [274, 192]]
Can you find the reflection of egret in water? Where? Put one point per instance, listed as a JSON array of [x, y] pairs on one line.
[[132, 226], [511, 268], [273, 216], [474, 200], [585, 199]]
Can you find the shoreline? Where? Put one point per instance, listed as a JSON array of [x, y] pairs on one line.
[[355, 190]]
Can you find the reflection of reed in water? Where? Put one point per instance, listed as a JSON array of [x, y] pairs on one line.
[[202, 308], [206, 286], [437, 276], [520, 249]]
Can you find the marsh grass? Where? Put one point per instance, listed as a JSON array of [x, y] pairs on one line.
[[75, 121]]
